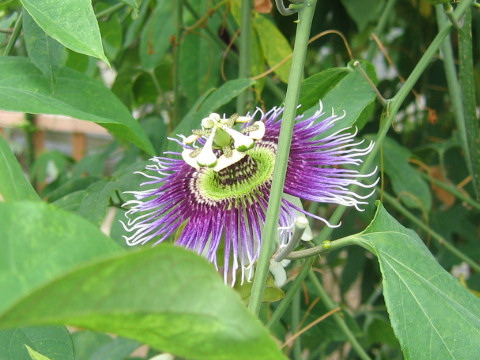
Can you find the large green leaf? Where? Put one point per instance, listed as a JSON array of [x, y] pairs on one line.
[[46, 53], [40, 243], [13, 184], [167, 297], [70, 22], [274, 45], [432, 314], [23, 88], [52, 341]]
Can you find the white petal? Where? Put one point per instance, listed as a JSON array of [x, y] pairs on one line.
[[223, 161]]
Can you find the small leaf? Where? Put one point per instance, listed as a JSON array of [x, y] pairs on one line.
[[317, 86], [35, 355], [70, 22], [274, 45], [23, 88], [51, 341], [155, 37], [46, 53], [363, 11], [13, 184], [432, 314], [352, 95], [409, 186]]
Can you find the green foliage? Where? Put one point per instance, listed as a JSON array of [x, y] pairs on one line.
[[145, 74], [416, 287]]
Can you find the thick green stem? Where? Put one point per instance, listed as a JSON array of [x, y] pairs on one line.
[[437, 237], [176, 64], [244, 47], [269, 234], [330, 305], [324, 247], [452, 80], [393, 105], [13, 38], [292, 290], [297, 346], [467, 84]]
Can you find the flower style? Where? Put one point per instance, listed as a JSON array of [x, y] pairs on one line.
[[218, 188]]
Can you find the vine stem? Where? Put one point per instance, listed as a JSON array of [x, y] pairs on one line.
[[244, 47], [13, 38], [467, 84], [292, 290], [393, 105], [269, 234]]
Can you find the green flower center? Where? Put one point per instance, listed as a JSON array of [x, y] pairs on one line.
[[241, 178]]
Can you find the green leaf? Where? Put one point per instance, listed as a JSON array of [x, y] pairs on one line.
[[52, 341], [35, 355], [155, 37], [87, 342], [46, 53], [351, 94], [317, 86], [409, 186], [208, 103], [40, 244], [274, 45], [23, 88], [70, 22], [198, 73], [167, 297], [363, 11], [432, 314], [13, 184]]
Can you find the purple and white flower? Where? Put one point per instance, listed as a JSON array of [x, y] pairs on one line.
[[214, 194]]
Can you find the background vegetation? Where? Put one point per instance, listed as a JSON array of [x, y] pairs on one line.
[[406, 73]]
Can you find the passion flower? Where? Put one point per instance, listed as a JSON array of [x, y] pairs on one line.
[[214, 194]]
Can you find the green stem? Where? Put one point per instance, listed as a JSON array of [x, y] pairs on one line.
[[330, 304], [244, 48], [467, 84], [324, 247], [269, 235], [452, 80], [176, 64], [393, 105], [110, 10], [297, 346], [292, 290], [379, 29], [440, 239], [14, 36], [452, 190]]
